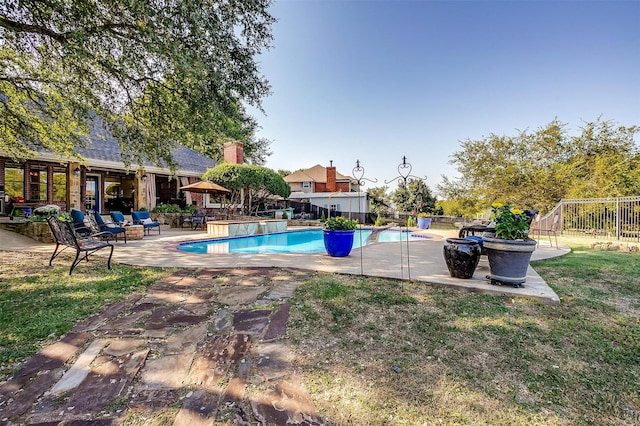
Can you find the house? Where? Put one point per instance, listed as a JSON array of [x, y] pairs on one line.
[[319, 191], [320, 179], [104, 183]]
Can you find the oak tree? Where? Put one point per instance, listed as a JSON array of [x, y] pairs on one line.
[[156, 73]]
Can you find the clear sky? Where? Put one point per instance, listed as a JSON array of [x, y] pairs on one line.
[[378, 80]]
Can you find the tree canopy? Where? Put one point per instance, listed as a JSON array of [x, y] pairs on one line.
[[415, 197], [379, 199], [157, 73], [537, 169], [250, 185]]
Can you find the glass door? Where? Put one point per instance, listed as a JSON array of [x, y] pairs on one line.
[[92, 191]]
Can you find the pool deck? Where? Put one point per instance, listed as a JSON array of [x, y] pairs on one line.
[[422, 261]]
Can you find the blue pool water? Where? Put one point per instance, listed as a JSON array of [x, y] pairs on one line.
[[309, 241]]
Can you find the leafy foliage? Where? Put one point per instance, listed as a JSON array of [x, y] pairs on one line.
[[379, 199], [537, 169], [511, 223], [340, 223], [416, 196], [167, 208], [250, 185], [156, 73]]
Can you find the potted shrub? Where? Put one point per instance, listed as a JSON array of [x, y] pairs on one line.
[[424, 220], [338, 235], [510, 250]]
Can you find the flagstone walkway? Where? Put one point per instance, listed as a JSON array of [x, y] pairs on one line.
[[199, 346]]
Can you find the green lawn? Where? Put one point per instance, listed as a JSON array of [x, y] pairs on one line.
[[375, 352], [38, 303]]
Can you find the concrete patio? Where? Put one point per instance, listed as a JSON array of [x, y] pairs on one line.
[[422, 261]]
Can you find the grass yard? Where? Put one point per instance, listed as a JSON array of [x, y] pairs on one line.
[[38, 303], [371, 353]]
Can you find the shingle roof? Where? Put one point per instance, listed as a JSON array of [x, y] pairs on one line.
[[103, 146], [316, 173]]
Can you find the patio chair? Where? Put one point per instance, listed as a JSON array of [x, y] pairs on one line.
[[80, 225], [86, 228], [143, 218], [197, 218], [119, 219], [96, 221], [66, 237], [552, 230]]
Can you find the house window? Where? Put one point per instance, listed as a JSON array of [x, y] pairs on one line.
[[59, 185], [38, 182], [14, 180], [306, 185]]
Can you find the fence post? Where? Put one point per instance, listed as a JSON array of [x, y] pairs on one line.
[[618, 218]]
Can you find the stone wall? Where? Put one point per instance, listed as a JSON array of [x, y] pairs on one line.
[[611, 246], [39, 231]]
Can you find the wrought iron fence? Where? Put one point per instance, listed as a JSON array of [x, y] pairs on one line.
[[607, 218]]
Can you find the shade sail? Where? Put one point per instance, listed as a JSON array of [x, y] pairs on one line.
[[205, 187]]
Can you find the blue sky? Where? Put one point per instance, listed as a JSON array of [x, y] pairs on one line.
[[378, 80]]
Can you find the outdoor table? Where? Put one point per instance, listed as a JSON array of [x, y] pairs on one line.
[[473, 229], [134, 232]]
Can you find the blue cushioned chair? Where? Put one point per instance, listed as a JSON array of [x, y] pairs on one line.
[[79, 225], [118, 218], [107, 227], [86, 228], [143, 218], [195, 220]]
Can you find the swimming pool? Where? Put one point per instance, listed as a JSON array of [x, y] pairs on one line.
[[307, 241]]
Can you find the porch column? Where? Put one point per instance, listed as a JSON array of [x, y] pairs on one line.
[[140, 199], [74, 186]]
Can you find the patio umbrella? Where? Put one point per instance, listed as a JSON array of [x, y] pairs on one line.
[[205, 187]]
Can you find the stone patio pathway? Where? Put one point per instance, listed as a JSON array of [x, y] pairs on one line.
[[200, 346]]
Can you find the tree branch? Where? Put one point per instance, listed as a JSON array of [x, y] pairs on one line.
[[33, 29]]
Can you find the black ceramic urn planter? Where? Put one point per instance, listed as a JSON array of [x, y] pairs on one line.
[[462, 256]]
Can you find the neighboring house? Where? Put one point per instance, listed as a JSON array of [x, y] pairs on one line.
[[322, 190], [104, 184], [320, 179]]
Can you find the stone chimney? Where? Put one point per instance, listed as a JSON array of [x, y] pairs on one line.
[[234, 152], [331, 178]]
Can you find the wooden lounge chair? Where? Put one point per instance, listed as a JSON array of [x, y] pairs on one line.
[[66, 237]]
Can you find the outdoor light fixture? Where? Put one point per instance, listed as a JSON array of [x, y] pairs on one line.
[[144, 177], [76, 171]]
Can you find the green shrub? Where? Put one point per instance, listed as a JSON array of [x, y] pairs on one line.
[[167, 208], [40, 214], [410, 222], [340, 223], [190, 209], [378, 221]]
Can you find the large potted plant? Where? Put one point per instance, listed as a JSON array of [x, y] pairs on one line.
[[338, 235], [424, 220], [510, 250]]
